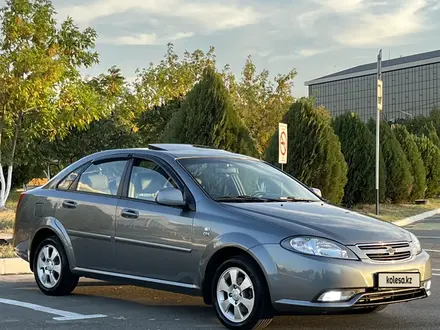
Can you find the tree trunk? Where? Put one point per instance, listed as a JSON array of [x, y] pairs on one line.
[[3, 188], [6, 186], [2, 175]]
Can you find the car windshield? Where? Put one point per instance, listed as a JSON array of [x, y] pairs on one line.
[[245, 180]]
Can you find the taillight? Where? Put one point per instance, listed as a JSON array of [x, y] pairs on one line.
[[19, 201]]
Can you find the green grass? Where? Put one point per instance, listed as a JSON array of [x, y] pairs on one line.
[[7, 251], [7, 217], [394, 212]]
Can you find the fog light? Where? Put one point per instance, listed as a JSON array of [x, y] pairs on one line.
[[427, 285], [338, 295]]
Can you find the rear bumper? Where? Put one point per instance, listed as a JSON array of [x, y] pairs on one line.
[[22, 250], [296, 281]]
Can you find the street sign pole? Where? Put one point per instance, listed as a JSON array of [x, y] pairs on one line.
[[379, 109]]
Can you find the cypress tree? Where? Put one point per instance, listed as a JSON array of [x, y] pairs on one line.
[[398, 179], [428, 126], [358, 147], [417, 167], [431, 158], [207, 117], [152, 122], [314, 152]]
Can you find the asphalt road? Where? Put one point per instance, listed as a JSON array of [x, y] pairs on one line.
[[97, 305]]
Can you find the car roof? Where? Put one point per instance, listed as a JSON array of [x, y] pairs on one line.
[[176, 150]]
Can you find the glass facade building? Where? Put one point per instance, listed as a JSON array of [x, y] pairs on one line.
[[411, 87]]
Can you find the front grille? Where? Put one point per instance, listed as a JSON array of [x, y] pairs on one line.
[[390, 296], [387, 252]]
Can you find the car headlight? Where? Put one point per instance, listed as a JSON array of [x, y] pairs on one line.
[[319, 247], [415, 244]]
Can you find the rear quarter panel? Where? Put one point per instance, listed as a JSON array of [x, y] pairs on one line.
[[37, 207]]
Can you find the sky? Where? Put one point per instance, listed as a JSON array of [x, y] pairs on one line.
[[316, 37]]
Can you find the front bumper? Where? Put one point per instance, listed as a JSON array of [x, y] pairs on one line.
[[296, 280], [370, 298]]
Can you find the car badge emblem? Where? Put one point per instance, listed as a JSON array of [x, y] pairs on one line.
[[391, 251]]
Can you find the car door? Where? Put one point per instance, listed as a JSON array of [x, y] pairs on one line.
[[87, 211], [153, 240]]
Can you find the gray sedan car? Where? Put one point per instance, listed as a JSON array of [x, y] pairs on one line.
[[250, 239]]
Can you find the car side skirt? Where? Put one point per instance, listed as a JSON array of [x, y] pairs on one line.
[[147, 282]]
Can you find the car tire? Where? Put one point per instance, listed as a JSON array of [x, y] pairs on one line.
[[240, 295], [51, 268]]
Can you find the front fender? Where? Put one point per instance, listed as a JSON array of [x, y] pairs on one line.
[[54, 225], [240, 241]]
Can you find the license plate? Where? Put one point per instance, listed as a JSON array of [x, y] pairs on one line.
[[399, 280]]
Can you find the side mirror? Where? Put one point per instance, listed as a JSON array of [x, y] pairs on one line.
[[170, 197], [316, 191]]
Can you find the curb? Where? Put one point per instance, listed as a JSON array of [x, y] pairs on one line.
[[14, 266], [5, 238], [415, 218]]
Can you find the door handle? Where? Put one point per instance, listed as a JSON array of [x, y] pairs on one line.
[[69, 204], [130, 214]]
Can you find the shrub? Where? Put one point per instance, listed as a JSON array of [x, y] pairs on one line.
[[417, 167], [314, 151], [358, 147]]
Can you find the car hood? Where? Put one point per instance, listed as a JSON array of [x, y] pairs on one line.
[[324, 220]]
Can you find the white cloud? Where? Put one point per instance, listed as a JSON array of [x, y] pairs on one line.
[[339, 6], [324, 7], [302, 53], [145, 39], [362, 23], [139, 39], [375, 29], [212, 15]]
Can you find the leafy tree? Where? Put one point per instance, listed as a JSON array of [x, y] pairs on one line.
[[260, 102], [398, 178], [114, 130], [314, 151], [43, 93], [359, 149], [170, 80], [173, 77], [207, 117], [431, 158], [417, 167]]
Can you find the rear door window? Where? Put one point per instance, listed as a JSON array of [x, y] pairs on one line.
[[103, 178]]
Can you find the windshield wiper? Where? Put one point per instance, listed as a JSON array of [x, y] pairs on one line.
[[246, 198], [295, 199]]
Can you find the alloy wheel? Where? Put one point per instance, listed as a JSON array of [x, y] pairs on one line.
[[49, 266], [235, 295]]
